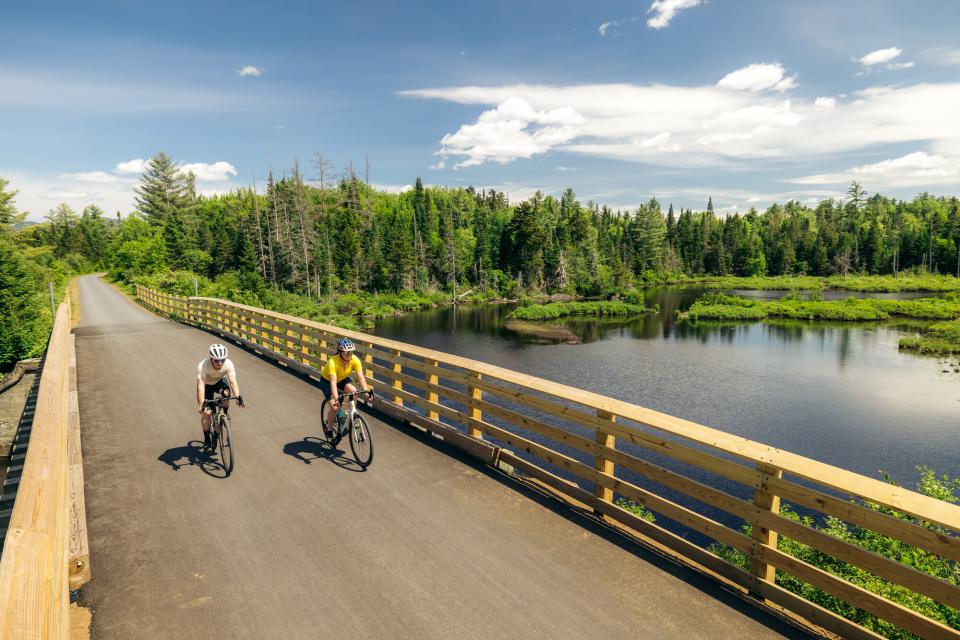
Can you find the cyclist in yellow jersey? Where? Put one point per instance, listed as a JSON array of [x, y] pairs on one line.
[[336, 379]]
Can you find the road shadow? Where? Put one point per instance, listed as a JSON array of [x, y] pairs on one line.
[[312, 448], [193, 455], [588, 521]]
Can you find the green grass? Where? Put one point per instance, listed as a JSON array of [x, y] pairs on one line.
[[903, 282], [556, 310], [717, 306], [942, 338]]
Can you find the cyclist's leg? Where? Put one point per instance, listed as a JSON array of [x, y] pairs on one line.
[[327, 419], [223, 389], [205, 416]]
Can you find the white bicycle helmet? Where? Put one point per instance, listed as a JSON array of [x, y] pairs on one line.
[[218, 352]]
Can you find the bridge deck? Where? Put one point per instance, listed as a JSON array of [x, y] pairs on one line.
[[300, 543]]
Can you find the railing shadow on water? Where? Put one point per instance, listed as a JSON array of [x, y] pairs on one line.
[[312, 448], [195, 456]]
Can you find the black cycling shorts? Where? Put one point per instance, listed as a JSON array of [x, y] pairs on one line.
[[325, 386], [222, 387]]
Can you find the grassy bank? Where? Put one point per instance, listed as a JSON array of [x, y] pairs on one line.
[[942, 338], [555, 310], [717, 306], [903, 282]]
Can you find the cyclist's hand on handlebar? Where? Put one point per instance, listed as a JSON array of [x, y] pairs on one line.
[[370, 395], [240, 401]]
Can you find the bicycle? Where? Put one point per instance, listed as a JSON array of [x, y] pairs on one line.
[[220, 421], [350, 421]]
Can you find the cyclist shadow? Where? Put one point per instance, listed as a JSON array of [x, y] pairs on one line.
[[193, 455], [312, 448]]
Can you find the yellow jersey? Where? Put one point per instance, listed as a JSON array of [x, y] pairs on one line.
[[336, 367]]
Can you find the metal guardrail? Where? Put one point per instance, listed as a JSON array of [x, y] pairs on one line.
[[594, 448]]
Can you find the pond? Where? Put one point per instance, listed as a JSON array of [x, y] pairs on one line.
[[843, 394]]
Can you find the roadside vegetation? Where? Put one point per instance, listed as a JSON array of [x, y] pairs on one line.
[[914, 280], [930, 484]]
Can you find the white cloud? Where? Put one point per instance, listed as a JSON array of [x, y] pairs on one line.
[[914, 169], [214, 172], [61, 194], [758, 77], [896, 66], [699, 126], [514, 129], [131, 166], [250, 70], [90, 176], [880, 56], [825, 103], [392, 188], [664, 11], [439, 165]]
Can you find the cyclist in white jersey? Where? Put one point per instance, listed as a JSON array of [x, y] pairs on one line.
[[215, 374]]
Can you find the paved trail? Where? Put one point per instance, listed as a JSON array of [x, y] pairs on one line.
[[299, 543]]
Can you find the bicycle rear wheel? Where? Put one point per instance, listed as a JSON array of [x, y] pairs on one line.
[[334, 440], [361, 442], [226, 444]]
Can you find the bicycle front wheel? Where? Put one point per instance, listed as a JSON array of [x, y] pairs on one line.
[[226, 444], [361, 442]]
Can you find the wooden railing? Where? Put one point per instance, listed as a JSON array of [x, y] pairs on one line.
[[595, 449], [45, 549]]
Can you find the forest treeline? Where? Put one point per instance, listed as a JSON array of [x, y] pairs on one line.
[[335, 234]]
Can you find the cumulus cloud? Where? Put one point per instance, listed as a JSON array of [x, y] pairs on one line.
[[392, 188], [914, 169], [664, 11], [514, 129], [250, 70], [698, 126], [213, 172], [758, 77], [131, 166]]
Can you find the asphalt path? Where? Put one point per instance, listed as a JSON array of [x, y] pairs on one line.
[[299, 542]]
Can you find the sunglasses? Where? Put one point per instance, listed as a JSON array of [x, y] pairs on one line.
[[215, 361]]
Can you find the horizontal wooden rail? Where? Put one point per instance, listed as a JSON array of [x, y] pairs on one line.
[[34, 596], [588, 446]]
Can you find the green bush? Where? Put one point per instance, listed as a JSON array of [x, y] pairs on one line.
[[939, 487]]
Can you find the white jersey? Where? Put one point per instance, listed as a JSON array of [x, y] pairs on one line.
[[209, 375]]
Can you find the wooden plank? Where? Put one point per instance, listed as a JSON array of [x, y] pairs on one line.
[[936, 542], [78, 565], [433, 381], [34, 596], [857, 596]]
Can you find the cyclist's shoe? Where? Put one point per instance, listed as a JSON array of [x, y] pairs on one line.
[[214, 436], [327, 433], [206, 440]]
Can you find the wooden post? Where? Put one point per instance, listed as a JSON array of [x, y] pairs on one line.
[[476, 394], [304, 348], [368, 360], [432, 396], [604, 439], [768, 502], [396, 383], [290, 344]]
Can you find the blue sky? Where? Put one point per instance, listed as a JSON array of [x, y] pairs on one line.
[[747, 102]]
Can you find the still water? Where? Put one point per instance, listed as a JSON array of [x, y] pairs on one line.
[[839, 393]]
